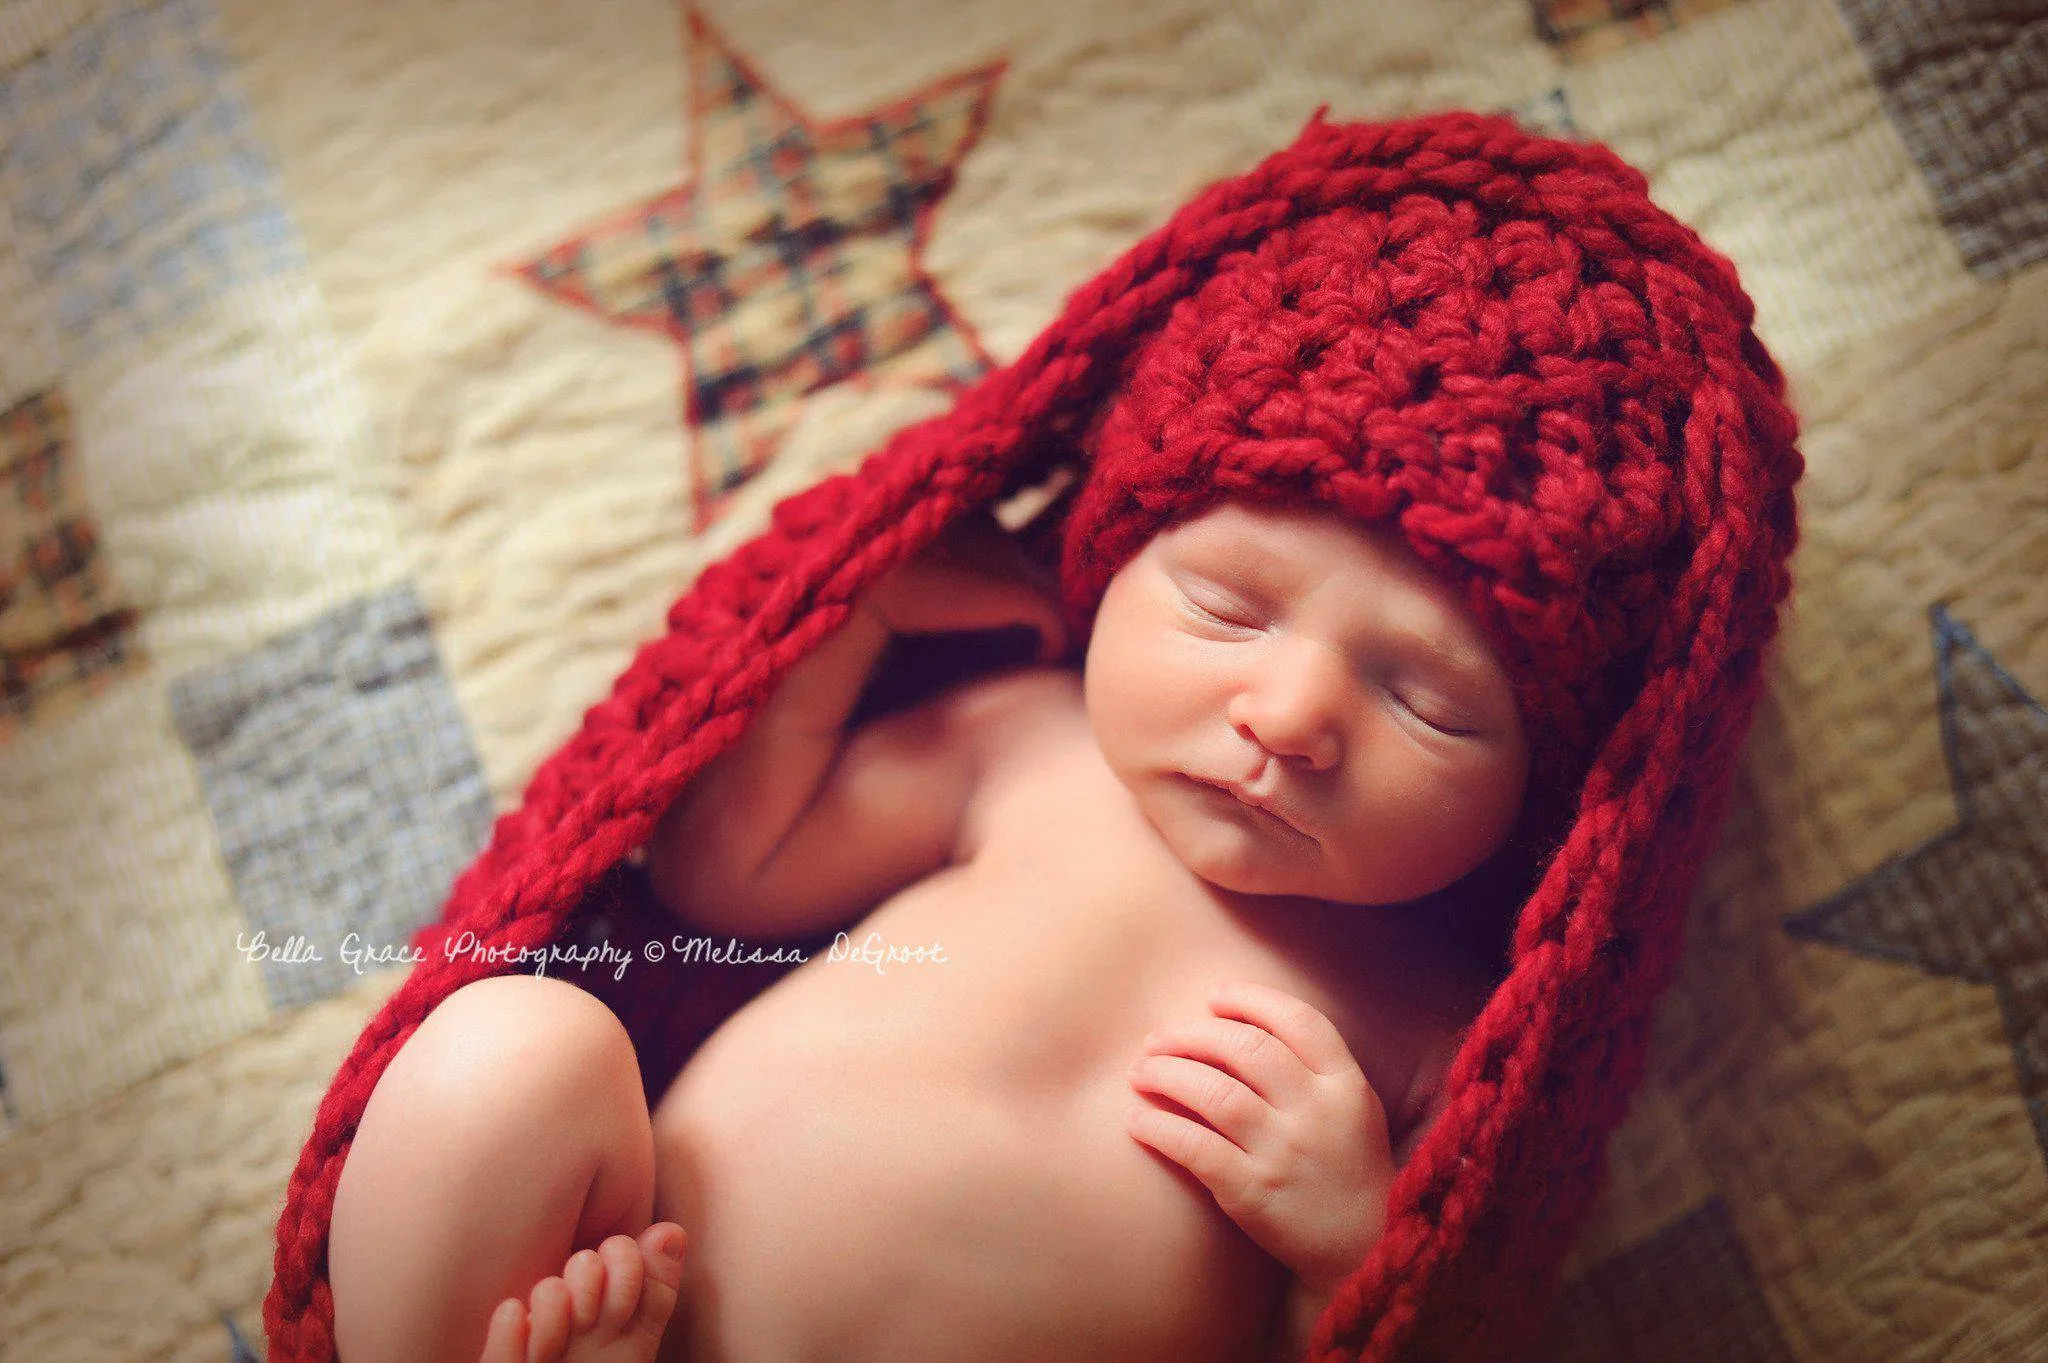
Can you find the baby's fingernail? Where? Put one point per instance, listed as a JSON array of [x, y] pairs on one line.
[[672, 1244]]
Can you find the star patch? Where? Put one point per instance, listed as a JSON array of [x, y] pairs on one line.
[[1687, 1291], [1973, 902], [788, 260]]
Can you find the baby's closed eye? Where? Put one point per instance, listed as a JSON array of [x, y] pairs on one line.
[[1433, 711], [1212, 604]]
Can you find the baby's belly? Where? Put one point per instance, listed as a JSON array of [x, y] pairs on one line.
[[930, 1163]]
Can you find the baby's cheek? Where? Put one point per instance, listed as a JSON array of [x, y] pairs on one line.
[[1133, 707], [1427, 844], [1488, 795]]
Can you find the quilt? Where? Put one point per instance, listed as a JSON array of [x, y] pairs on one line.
[[373, 376]]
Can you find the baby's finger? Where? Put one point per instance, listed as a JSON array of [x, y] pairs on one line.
[[1305, 1031], [1264, 1063], [997, 603], [1221, 1167], [1050, 620], [937, 600], [975, 576], [506, 1343], [1219, 1099]]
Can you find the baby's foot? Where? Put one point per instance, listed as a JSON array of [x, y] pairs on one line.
[[609, 1305]]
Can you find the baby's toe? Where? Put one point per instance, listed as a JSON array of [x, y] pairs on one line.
[[506, 1342], [585, 1277], [661, 1247], [622, 1277], [547, 1309]]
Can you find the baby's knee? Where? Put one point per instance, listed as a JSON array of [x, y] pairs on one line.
[[520, 1042], [509, 1123]]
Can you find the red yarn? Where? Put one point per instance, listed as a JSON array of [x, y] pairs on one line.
[[1491, 340]]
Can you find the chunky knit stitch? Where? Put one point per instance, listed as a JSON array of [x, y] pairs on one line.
[[1489, 340]]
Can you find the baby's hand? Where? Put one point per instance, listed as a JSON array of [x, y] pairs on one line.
[[975, 576], [1302, 1162]]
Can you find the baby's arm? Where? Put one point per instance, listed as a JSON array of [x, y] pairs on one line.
[[799, 825]]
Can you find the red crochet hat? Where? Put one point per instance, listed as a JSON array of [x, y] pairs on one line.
[[1515, 404], [1490, 339]]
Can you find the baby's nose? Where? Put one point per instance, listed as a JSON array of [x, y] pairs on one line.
[[1314, 747], [1296, 707]]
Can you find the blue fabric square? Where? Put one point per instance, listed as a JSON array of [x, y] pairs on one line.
[[134, 180], [342, 782]]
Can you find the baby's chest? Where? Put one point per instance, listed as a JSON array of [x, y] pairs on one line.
[[1073, 939]]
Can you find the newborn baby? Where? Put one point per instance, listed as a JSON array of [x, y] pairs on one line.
[[1431, 504], [1178, 1021]]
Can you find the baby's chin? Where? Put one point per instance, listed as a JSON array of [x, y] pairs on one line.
[[1232, 858], [1264, 883]]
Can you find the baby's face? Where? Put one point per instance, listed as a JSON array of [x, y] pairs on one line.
[[1301, 707]]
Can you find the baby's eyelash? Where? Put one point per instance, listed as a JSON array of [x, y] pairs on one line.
[[1222, 613], [1449, 728]]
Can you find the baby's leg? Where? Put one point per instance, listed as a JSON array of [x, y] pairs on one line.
[[509, 1131]]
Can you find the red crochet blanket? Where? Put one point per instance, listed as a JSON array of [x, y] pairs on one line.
[[1483, 1212]]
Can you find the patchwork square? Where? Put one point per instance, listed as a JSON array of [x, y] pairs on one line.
[[120, 927], [232, 465], [29, 26], [1966, 83], [1586, 28], [343, 785], [1763, 132], [134, 181], [64, 633], [28, 356]]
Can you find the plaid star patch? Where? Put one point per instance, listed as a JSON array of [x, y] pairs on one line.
[[788, 260]]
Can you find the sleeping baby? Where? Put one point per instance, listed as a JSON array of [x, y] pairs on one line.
[[1143, 1096], [1428, 511]]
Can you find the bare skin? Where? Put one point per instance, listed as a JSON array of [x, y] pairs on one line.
[[1149, 1103], [507, 1138]]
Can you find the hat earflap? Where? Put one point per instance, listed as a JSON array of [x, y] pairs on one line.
[[1560, 1043]]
